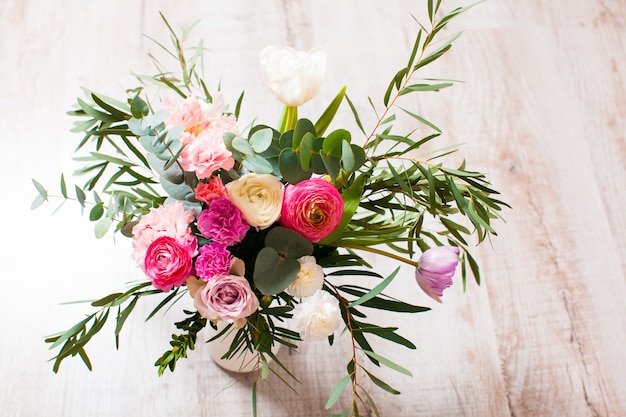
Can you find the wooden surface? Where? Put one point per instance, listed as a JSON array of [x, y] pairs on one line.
[[542, 109]]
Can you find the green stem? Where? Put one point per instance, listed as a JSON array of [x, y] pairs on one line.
[[288, 119], [376, 251]]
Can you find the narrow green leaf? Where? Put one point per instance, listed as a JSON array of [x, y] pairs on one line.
[[328, 115], [376, 290], [40, 189], [334, 396], [388, 363]]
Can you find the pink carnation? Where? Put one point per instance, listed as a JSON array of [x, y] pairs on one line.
[[222, 222], [214, 259], [228, 298], [210, 191], [206, 153], [171, 220], [312, 208], [191, 114], [167, 263]]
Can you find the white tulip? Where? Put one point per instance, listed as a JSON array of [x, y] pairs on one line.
[[317, 316], [293, 77]]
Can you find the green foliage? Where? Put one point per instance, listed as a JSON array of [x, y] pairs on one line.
[[183, 342]]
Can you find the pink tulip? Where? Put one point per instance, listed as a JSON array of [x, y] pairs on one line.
[[436, 269]]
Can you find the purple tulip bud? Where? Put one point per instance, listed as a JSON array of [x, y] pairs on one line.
[[436, 269]]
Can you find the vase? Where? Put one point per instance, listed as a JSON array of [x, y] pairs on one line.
[[242, 362]]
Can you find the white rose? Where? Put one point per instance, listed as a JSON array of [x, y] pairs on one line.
[[293, 77], [317, 316], [259, 197], [310, 278]]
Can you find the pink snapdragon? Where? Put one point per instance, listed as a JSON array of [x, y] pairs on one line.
[[222, 222], [312, 208], [436, 268], [214, 259], [167, 263], [171, 220], [228, 298]]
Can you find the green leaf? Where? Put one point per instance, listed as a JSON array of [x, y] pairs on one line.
[[288, 243], [258, 164], [382, 384], [329, 114], [307, 145], [273, 272], [376, 290], [424, 87], [388, 363], [334, 396], [40, 189], [290, 168], [139, 108], [351, 200], [102, 227], [303, 126], [96, 212], [261, 140], [242, 146], [347, 156]]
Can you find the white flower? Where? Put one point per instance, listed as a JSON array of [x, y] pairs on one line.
[[293, 77], [310, 278], [317, 316], [259, 197]]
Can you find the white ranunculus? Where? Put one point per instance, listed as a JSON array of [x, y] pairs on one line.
[[310, 278], [293, 77], [259, 197], [317, 316]]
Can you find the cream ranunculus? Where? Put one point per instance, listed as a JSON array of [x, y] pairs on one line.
[[317, 316], [293, 77], [310, 278], [259, 197]]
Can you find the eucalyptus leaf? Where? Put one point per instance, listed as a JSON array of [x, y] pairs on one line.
[[261, 140], [273, 272]]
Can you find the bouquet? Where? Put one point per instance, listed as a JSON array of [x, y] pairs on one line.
[[263, 225]]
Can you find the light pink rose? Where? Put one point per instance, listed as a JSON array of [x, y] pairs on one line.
[[210, 191], [228, 298], [167, 263], [171, 220], [312, 208], [436, 269]]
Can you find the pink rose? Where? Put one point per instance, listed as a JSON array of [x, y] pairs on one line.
[[222, 222], [436, 269], [171, 220], [167, 263], [208, 192], [214, 259], [228, 298], [312, 208]]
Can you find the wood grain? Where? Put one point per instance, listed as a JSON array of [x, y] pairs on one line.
[[542, 109]]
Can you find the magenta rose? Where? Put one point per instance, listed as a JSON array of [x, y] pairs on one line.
[[435, 270], [312, 208], [214, 259], [228, 298], [222, 222], [167, 263]]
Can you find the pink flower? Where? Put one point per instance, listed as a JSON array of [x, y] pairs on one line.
[[214, 259], [191, 114], [206, 153], [436, 269], [222, 222], [228, 298], [208, 192], [312, 208], [167, 263], [171, 220]]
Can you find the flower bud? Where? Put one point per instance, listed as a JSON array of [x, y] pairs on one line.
[[436, 269]]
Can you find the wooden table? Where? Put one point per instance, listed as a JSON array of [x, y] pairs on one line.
[[542, 109]]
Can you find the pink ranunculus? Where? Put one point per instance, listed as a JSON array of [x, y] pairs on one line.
[[214, 259], [171, 220], [222, 222], [435, 270], [228, 298], [167, 263], [208, 192], [312, 208]]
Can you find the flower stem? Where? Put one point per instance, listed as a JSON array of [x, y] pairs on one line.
[[377, 251], [288, 119]]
